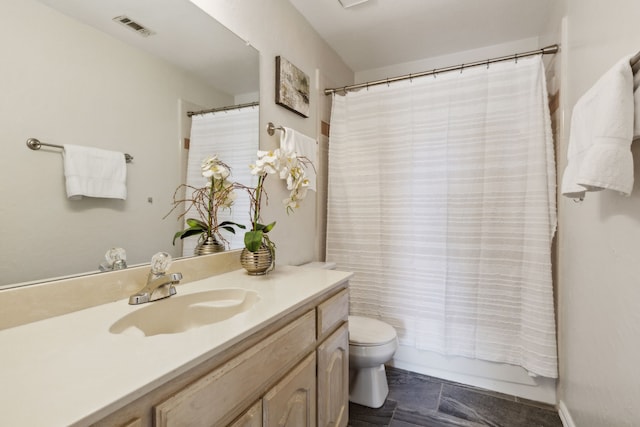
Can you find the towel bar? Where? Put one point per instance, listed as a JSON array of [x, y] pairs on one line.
[[35, 144]]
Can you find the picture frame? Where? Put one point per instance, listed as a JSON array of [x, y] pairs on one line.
[[292, 87]]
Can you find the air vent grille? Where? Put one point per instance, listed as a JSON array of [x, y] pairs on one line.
[[133, 25]]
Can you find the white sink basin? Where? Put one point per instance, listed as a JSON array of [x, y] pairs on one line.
[[183, 312]]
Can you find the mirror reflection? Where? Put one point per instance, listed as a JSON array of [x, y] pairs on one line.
[[73, 75]]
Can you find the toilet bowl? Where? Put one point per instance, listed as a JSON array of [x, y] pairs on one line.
[[372, 343]]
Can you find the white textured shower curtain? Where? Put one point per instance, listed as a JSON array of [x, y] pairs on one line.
[[442, 201], [233, 136]]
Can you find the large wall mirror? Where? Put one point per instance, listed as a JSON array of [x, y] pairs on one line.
[[72, 74]]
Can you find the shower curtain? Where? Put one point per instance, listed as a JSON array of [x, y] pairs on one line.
[[233, 136], [442, 202]]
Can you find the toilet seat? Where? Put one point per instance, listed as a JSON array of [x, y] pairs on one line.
[[367, 332]]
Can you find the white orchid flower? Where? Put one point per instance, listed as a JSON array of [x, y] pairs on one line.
[[268, 163], [213, 167]]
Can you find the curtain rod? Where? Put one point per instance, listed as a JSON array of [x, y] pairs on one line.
[[544, 51], [227, 108]]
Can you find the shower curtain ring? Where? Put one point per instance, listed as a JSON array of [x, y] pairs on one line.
[[461, 68], [516, 58], [488, 62], [435, 74]]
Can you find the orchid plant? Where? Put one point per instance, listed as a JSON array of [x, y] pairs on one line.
[[287, 166], [219, 192]]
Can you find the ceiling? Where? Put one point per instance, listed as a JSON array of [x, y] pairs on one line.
[[379, 33], [183, 36]]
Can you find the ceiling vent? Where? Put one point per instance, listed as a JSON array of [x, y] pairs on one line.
[[350, 3], [133, 25]]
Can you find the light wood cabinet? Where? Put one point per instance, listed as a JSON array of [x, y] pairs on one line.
[[291, 373], [292, 402], [333, 379], [215, 397], [332, 313], [251, 418]]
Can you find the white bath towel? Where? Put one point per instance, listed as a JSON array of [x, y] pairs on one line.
[[599, 155], [302, 145], [636, 105], [93, 172]]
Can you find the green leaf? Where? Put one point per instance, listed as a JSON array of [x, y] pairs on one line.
[[225, 223], [253, 240], [265, 228], [193, 223], [175, 236], [229, 229], [186, 233]]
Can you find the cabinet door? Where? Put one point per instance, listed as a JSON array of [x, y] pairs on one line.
[[292, 402], [333, 379], [251, 418]]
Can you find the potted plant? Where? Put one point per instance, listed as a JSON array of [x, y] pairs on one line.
[[218, 193], [258, 255]]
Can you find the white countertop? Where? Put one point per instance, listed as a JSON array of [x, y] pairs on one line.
[[70, 370]]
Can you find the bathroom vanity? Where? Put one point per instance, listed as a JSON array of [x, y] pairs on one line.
[[281, 359]]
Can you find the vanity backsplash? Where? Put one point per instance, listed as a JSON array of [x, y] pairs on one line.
[[28, 304]]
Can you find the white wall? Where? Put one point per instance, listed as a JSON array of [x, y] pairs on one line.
[[599, 246], [275, 28], [65, 83]]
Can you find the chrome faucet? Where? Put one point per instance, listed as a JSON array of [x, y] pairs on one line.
[[159, 283]]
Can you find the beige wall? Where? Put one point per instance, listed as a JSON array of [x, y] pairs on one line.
[[66, 83], [599, 245]]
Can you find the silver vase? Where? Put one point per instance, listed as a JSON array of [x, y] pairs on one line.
[[209, 246], [257, 263]]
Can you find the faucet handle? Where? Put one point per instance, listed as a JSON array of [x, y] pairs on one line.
[[160, 263], [117, 258]]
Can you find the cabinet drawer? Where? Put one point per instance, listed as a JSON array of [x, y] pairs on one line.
[[223, 394], [332, 313]]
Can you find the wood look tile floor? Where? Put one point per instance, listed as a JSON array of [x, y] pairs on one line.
[[420, 400]]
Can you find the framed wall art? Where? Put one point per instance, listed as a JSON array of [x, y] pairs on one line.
[[292, 87]]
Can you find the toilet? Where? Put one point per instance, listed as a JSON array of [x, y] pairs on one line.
[[372, 343]]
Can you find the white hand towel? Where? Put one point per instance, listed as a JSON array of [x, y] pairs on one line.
[[94, 172], [599, 155], [302, 145]]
